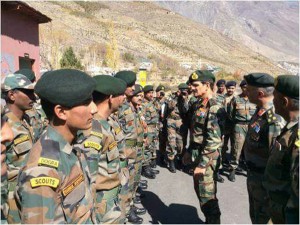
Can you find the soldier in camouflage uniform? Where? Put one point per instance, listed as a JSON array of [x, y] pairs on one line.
[[205, 141], [54, 184], [152, 120], [177, 112], [36, 115], [127, 118], [282, 169], [19, 96], [102, 152], [221, 87], [263, 129], [240, 111], [162, 108], [228, 125], [6, 137]]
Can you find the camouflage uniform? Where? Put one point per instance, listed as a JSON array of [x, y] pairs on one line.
[[163, 133], [16, 153], [37, 120], [124, 172], [240, 112], [178, 108], [104, 162], [278, 172], [128, 120], [263, 129], [205, 141], [228, 128], [151, 117], [54, 185]]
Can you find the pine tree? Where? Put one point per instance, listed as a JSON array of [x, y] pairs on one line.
[[69, 60]]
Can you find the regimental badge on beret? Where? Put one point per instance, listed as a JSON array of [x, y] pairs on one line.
[[194, 76], [162, 88]]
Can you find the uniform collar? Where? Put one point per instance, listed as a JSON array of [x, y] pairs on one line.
[[63, 144]]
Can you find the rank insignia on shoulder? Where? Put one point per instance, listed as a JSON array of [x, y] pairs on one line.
[[44, 181], [91, 144], [67, 190], [112, 145], [117, 130], [21, 139], [297, 142], [48, 162], [97, 134]]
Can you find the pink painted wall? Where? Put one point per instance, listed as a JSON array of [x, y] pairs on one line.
[[19, 35]]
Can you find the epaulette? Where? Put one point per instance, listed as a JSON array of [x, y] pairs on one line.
[[271, 118]]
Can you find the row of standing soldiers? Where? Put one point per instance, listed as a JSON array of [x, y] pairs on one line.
[[84, 163]]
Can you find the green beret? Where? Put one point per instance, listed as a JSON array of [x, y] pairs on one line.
[[148, 88], [183, 86], [160, 88], [288, 85], [202, 75], [128, 76], [13, 81], [243, 83], [137, 89], [27, 73], [220, 82], [230, 83], [259, 79], [109, 85], [66, 87]]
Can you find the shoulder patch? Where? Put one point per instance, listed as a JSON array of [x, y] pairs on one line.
[[92, 144], [44, 181], [97, 134], [48, 162], [67, 190], [21, 139], [112, 145]]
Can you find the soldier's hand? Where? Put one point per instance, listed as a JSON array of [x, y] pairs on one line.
[[199, 171], [187, 158]]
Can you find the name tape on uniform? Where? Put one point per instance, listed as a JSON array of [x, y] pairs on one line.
[[91, 144], [44, 181], [21, 139], [112, 145], [67, 190], [48, 162]]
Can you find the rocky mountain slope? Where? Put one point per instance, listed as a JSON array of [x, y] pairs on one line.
[[143, 30], [268, 27]]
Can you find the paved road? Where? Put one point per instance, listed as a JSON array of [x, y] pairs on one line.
[[170, 198]]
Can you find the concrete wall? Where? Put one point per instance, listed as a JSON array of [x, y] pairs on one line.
[[19, 35]]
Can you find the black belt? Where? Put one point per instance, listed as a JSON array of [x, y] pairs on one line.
[[255, 169]]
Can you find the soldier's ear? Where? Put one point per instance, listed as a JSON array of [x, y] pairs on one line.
[[285, 101], [60, 112], [10, 95]]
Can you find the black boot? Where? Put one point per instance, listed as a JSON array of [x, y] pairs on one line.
[[143, 181], [231, 176], [218, 178], [154, 171], [133, 218], [146, 172], [137, 200], [172, 166], [212, 212], [139, 211], [143, 186], [153, 163], [139, 192]]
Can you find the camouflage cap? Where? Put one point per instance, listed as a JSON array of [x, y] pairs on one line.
[[259, 79], [288, 85], [66, 87], [109, 85], [137, 89], [202, 75], [148, 88], [160, 88], [14, 81], [128, 76], [230, 83], [27, 73], [183, 86]]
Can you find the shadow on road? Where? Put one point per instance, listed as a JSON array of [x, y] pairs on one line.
[[173, 214]]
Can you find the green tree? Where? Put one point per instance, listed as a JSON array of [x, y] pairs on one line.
[[69, 60]]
